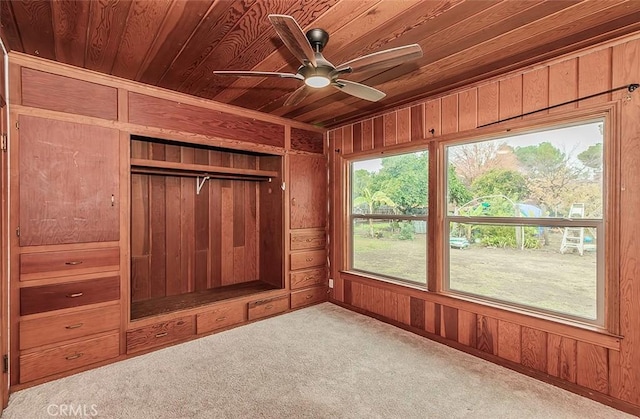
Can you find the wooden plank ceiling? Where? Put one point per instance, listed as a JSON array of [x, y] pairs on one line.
[[176, 44]]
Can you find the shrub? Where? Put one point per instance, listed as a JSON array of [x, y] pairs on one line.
[[406, 231]]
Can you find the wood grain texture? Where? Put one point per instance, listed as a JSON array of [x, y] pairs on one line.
[[404, 125], [535, 91], [308, 191], [534, 349], [510, 97], [223, 315], [35, 14], [594, 76], [467, 328], [563, 84], [162, 113], [488, 103], [390, 128], [592, 367], [37, 365], [467, 109], [509, 341], [69, 294], [417, 122], [308, 296], [304, 140], [159, 334], [417, 313], [378, 132], [626, 68], [561, 357], [367, 134], [433, 117], [71, 19], [450, 114], [487, 335], [77, 169], [449, 323], [105, 33]]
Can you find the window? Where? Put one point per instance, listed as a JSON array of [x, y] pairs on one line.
[[388, 216], [525, 220]]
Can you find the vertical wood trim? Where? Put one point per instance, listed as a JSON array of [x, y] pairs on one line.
[[417, 122], [378, 132], [432, 114], [449, 323], [404, 125], [509, 341], [510, 101], [563, 84], [593, 367], [348, 294], [468, 109], [390, 128], [417, 312], [430, 317], [125, 238], [357, 137], [487, 103], [487, 335], [391, 305], [347, 139], [367, 134], [450, 114], [404, 309], [534, 349], [535, 91], [594, 76], [123, 105], [15, 87], [467, 328]]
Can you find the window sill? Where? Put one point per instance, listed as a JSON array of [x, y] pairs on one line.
[[538, 321]]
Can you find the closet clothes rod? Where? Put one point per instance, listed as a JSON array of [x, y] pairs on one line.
[[153, 167]]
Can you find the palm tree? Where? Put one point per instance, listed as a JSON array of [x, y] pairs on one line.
[[372, 200]]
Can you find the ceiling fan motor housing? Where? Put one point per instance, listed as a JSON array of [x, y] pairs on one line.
[[318, 39]]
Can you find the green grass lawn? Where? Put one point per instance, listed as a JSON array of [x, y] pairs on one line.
[[542, 278]]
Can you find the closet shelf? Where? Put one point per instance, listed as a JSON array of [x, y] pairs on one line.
[[157, 167]]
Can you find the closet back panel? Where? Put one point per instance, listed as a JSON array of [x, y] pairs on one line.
[[182, 241]]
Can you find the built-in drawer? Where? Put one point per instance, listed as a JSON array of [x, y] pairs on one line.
[[302, 240], [53, 329], [308, 278], [219, 317], [160, 334], [310, 259], [67, 357], [268, 307], [308, 296], [68, 294], [71, 262]]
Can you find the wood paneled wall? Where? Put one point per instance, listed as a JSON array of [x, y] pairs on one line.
[[560, 354], [182, 241]]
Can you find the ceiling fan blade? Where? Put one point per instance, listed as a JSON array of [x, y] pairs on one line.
[[258, 74], [291, 34], [359, 90], [382, 59], [297, 96]]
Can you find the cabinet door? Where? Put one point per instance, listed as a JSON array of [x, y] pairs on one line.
[[68, 181], [308, 190]]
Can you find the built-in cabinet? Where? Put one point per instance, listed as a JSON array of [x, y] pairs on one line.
[[161, 219], [308, 235], [67, 309]]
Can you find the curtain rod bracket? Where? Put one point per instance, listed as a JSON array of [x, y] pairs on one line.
[[200, 184]]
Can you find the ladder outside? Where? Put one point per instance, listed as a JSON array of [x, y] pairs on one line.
[[573, 237]]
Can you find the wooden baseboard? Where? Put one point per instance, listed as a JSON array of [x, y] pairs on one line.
[[574, 388]]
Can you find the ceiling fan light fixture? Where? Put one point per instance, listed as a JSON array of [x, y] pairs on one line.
[[317, 82]]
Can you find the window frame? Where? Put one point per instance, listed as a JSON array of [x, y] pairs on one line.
[[350, 216], [436, 265]]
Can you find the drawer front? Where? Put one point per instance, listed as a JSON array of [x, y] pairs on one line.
[[160, 333], [303, 260], [308, 278], [47, 330], [268, 307], [308, 296], [302, 240], [56, 264], [223, 316], [67, 357], [69, 294]]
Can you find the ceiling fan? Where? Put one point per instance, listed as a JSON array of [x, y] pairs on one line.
[[316, 72]]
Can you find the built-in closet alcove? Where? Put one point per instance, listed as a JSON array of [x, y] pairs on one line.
[[206, 225]]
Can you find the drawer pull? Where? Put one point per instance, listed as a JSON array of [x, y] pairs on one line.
[[221, 319], [309, 259], [269, 307], [308, 297], [74, 326], [74, 263], [75, 295], [161, 335], [309, 240], [72, 357]]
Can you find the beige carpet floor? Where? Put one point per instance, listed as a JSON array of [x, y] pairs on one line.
[[319, 362]]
